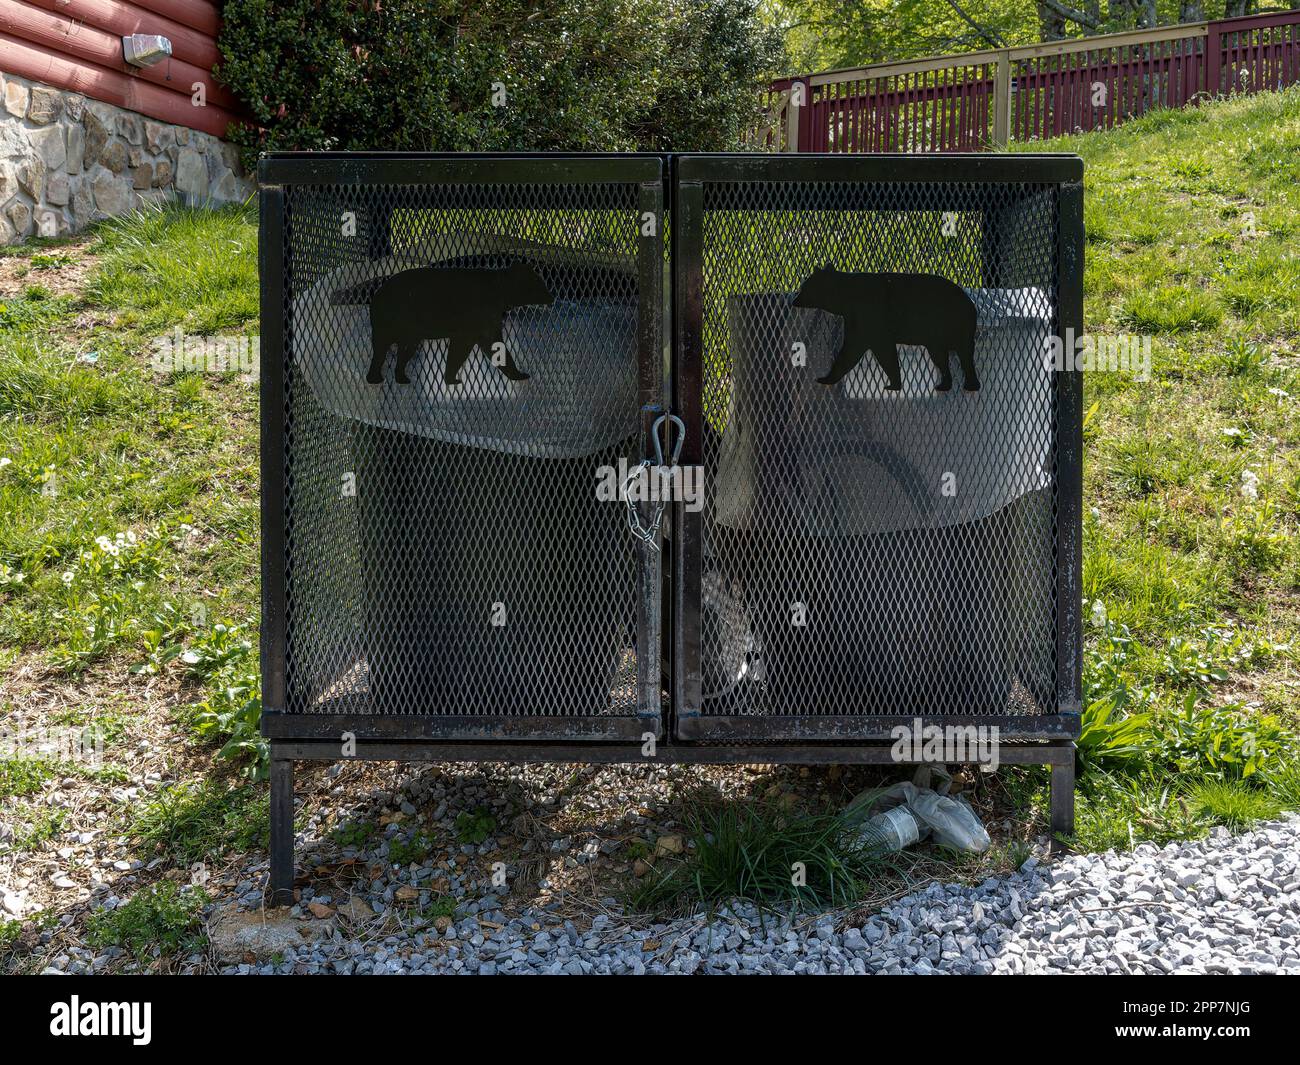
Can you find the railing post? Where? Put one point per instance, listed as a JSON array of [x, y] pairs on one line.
[[1002, 101], [806, 120], [792, 110], [798, 117], [1213, 58]]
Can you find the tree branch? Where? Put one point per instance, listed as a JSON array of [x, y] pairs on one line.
[[990, 36], [1071, 13]]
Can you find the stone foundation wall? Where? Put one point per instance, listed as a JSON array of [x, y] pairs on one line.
[[66, 161]]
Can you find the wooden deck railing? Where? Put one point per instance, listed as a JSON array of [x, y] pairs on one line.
[[982, 100]]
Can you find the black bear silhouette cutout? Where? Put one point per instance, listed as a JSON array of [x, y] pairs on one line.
[[881, 311], [465, 306]]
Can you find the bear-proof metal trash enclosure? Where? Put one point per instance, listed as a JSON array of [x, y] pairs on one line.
[[688, 458]]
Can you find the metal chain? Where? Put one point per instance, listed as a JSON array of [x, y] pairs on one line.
[[647, 534]]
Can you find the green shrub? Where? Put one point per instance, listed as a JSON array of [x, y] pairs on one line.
[[439, 906], [42, 825], [1112, 670], [1107, 739], [416, 75], [216, 650], [224, 658], [404, 851], [1186, 665], [9, 932], [355, 834], [232, 716], [1221, 742], [24, 776], [1238, 357]]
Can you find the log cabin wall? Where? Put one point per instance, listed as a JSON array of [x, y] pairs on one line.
[[85, 135]]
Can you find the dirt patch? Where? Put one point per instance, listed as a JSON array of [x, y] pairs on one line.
[[61, 269], [109, 738]]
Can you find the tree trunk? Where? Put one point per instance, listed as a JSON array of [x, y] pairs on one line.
[[1191, 10], [1051, 24], [1123, 13]]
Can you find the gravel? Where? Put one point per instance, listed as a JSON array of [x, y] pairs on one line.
[[1225, 904], [534, 896]]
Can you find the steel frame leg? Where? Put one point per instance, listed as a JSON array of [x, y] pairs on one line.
[[1062, 798], [281, 830]]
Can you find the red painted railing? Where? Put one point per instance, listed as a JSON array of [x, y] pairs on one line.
[[971, 102]]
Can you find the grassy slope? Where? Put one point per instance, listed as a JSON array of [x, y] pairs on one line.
[[1192, 222], [97, 448]]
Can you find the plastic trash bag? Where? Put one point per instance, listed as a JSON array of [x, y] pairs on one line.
[[860, 459], [580, 351], [949, 821]]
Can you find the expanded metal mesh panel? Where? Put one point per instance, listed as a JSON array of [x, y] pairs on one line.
[[877, 540], [461, 361]]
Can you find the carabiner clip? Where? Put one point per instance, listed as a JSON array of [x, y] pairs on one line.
[[673, 420]]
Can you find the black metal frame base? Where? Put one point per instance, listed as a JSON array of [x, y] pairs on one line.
[[1059, 755]]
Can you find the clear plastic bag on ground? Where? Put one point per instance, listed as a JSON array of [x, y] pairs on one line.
[[948, 820]]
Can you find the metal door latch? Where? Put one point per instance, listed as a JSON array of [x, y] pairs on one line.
[[658, 478]]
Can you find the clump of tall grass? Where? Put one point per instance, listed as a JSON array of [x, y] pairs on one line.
[[768, 854]]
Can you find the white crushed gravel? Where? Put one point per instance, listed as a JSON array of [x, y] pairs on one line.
[[1225, 904]]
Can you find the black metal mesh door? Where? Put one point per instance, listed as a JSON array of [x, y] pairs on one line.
[[863, 366], [469, 344]]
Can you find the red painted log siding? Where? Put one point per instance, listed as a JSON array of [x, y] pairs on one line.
[[76, 45]]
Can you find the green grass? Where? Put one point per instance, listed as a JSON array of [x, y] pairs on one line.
[[97, 452], [21, 775], [160, 920], [767, 854], [1191, 219], [1232, 805], [194, 822], [130, 495], [1217, 295], [100, 727], [174, 266], [1118, 811], [33, 826]]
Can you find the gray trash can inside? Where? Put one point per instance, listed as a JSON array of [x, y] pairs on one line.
[[492, 575], [834, 560]]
